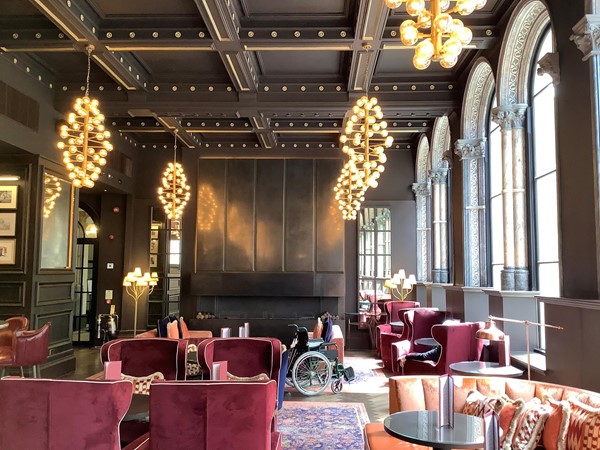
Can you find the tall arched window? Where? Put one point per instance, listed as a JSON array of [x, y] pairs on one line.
[[496, 225], [546, 257]]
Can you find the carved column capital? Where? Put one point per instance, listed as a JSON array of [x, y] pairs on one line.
[[549, 64], [439, 176], [586, 35], [470, 148], [510, 116], [421, 189]]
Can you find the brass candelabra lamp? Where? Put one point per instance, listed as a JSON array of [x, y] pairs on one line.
[[135, 285], [400, 285]]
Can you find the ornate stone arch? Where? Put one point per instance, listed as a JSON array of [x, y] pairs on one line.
[[476, 102], [521, 37], [422, 192], [440, 143], [422, 159]]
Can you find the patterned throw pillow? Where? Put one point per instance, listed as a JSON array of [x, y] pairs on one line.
[[554, 436], [141, 385], [479, 405], [259, 377], [529, 426], [508, 418], [584, 427]]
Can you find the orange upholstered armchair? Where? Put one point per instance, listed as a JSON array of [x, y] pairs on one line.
[[29, 348]]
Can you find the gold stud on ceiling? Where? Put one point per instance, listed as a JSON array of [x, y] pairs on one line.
[[178, 34], [296, 34], [394, 88], [211, 88], [192, 88], [38, 35], [321, 88], [266, 88], [343, 34], [155, 34], [321, 34], [250, 34], [274, 34], [413, 88], [131, 34], [15, 36], [303, 88]]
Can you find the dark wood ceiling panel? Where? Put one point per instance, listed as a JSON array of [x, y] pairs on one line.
[[173, 66], [19, 8], [310, 8], [71, 67], [298, 63], [144, 7]]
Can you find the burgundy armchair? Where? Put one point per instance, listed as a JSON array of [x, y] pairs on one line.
[[28, 348], [61, 414], [19, 323], [458, 343], [208, 415], [392, 309], [419, 323], [143, 356]]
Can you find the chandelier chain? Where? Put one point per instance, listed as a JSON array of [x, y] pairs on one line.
[[89, 49]]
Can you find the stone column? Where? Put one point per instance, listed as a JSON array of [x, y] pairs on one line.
[[586, 35], [422, 194], [472, 154], [515, 275], [439, 180]]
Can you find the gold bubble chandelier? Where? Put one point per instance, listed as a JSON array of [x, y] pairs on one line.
[[52, 191], [446, 36], [364, 140], [85, 142], [174, 192]]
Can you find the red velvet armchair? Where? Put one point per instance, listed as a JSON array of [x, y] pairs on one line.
[[458, 344], [392, 309], [61, 414], [143, 356], [210, 415], [28, 348], [19, 323], [419, 323]]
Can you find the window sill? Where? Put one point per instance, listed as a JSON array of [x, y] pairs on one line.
[[538, 361]]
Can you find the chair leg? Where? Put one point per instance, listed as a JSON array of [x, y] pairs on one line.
[[22, 374]]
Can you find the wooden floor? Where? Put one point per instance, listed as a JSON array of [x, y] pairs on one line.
[[88, 363]]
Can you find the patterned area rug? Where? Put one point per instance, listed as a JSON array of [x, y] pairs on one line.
[[322, 425], [369, 377]]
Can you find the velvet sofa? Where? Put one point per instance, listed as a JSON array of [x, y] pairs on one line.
[[39, 414], [408, 393], [210, 415]]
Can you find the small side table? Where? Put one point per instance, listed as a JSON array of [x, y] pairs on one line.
[[397, 327], [427, 342], [488, 369]]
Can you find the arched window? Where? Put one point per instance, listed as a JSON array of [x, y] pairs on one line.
[[543, 168], [496, 225]]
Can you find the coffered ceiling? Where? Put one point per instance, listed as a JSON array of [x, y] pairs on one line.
[[238, 74]]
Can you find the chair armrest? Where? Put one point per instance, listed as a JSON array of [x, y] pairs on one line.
[[141, 443]]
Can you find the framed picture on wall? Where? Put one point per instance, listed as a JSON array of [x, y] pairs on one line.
[[8, 223], [8, 197], [153, 245], [154, 233], [7, 251], [153, 261]]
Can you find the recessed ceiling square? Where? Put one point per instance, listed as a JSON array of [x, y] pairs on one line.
[[300, 62], [147, 8]]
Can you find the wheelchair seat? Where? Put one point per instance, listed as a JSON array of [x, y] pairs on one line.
[[314, 344]]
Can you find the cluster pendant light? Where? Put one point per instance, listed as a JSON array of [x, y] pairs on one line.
[[446, 36], [85, 142], [364, 141], [174, 192]]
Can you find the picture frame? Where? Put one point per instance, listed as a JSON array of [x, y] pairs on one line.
[[8, 197], [153, 261], [7, 251], [153, 245], [154, 233], [8, 223]]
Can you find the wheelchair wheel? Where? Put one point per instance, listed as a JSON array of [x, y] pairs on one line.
[[311, 373], [336, 386]]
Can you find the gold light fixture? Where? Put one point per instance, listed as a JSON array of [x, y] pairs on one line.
[[52, 190], [85, 142], [446, 36], [135, 284], [174, 192], [400, 285], [364, 140]]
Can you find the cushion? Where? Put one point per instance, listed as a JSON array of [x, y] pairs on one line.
[[327, 333], [173, 330], [529, 426], [479, 405], [318, 329], [584, 426], [259, 377], [508, 418], [554, 436], [141, 385], [185, 332]]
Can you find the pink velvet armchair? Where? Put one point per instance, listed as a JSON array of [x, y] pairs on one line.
[[209, 415], [141, 357], [28, 348], [19, 323], [38, 414], [419, 323], [458, 343], [392, 309]]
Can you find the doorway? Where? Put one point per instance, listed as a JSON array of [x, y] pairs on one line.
[[86, 276]]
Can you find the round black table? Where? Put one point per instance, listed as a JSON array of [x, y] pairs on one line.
[[421, 427], [488, 369], [427, 342], [138, 409]]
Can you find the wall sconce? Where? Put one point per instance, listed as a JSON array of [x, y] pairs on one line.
[[135, 284]]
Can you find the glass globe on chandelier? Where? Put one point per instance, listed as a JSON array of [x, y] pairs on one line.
[[174, 192], [447, 36], [85, 142], [348, 195]]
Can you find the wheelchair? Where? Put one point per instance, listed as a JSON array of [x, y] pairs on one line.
[[313, 365]]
